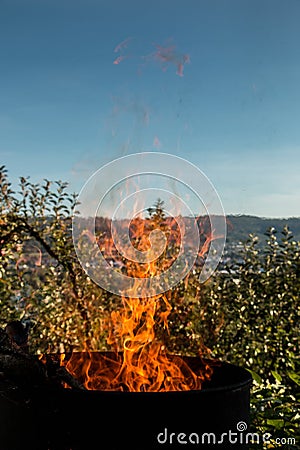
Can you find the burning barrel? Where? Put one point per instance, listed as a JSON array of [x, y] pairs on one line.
[[65, 419]]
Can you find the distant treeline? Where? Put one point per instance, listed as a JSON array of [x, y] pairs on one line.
[[239, 227]]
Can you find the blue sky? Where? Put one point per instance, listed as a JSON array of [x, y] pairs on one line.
[[66, 109]]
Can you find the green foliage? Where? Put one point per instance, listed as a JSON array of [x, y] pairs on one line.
[[247, 314], [255, 304], [258, 302], [157, 211], [275, 409], [40, 277]]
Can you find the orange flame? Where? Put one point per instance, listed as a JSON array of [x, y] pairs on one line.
[[137, 332]]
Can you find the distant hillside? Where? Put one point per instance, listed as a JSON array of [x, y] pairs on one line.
[[239, 227]]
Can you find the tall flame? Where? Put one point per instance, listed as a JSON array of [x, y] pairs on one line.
[[138, 331]]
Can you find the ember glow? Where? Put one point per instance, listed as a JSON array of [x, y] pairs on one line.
[[156, 142], [165, 55], [119, 59], [137, 330], [122, 45], [120, 48], [168, 55]]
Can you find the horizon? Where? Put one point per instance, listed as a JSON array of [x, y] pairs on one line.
[[216, 83], [15, 185]]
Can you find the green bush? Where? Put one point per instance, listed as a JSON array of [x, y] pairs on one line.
[[256, 307]]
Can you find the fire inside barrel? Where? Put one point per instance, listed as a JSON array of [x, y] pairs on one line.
[[137, 395], [138, 329]]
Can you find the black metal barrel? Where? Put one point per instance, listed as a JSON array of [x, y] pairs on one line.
[[215, 416]]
